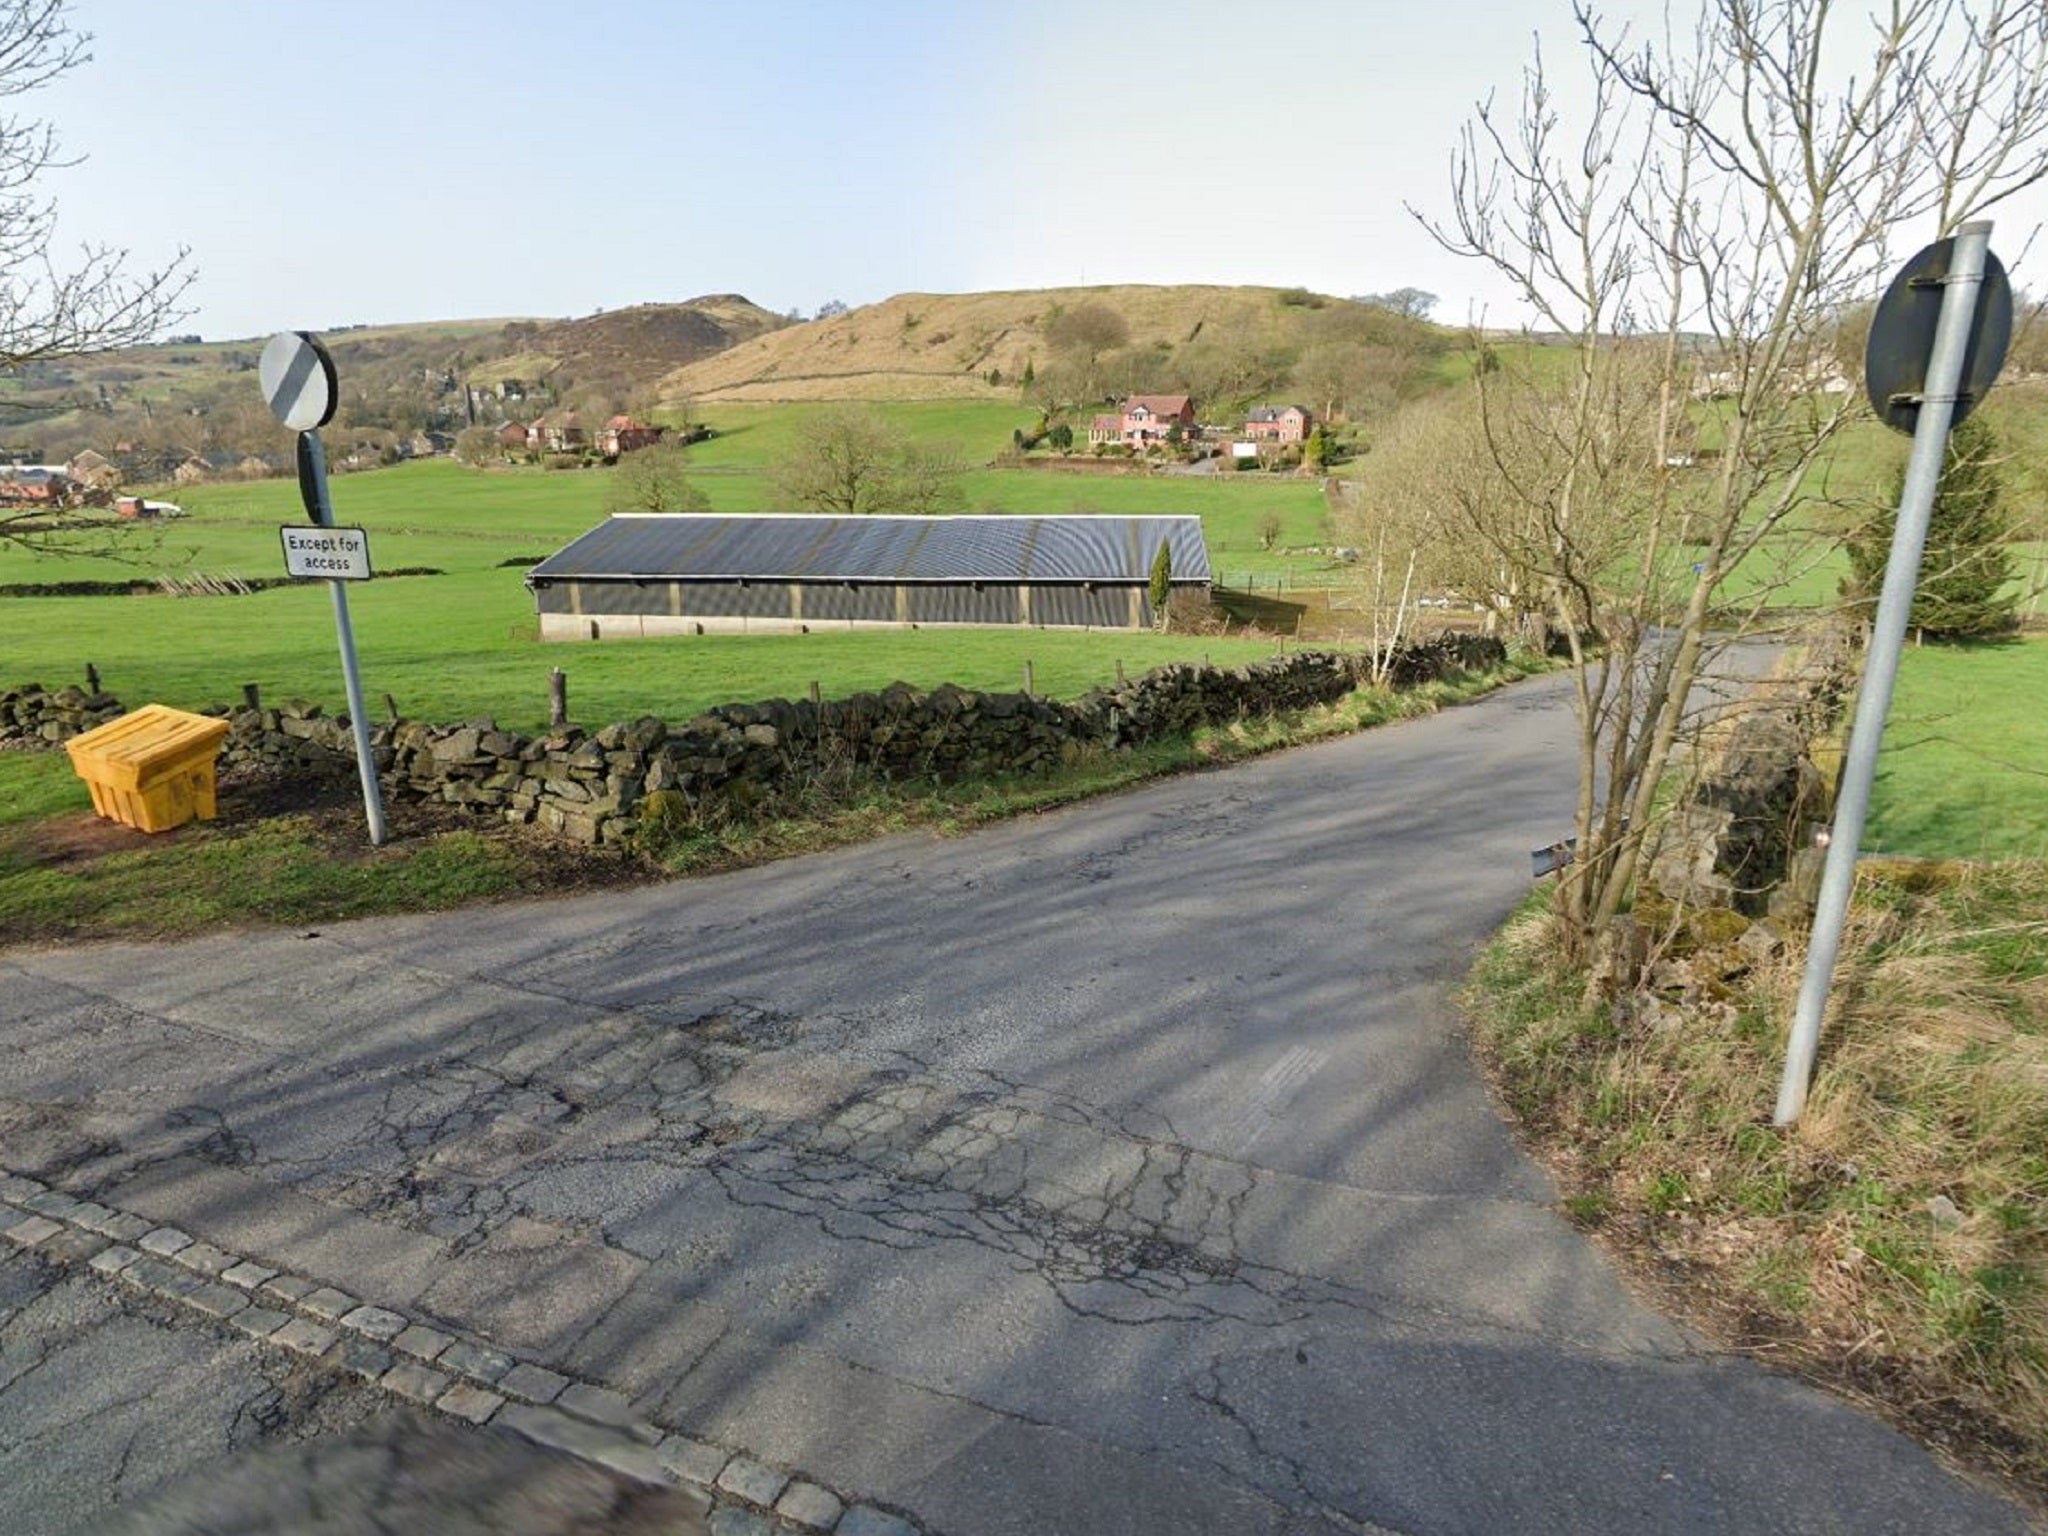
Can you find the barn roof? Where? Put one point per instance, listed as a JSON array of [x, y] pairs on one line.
[[788, 547]]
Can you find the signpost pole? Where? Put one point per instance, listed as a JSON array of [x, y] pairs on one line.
[[1964, 279], [359, 722]]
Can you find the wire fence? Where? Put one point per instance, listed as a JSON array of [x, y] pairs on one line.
[[1261, 581]]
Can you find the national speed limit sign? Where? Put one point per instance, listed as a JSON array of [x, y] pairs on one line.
[[297, 377]]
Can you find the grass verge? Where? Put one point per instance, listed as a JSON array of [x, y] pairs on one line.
[[1894, 1244], [288, 853], [839, 814], [1964, 767]]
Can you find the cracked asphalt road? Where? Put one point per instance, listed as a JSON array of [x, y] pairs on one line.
[[123, 1417], [100, 1402], [1118, 1170]]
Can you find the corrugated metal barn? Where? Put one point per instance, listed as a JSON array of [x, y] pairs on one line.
[[648, 573]]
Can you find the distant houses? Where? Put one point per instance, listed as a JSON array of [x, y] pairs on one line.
[[558, 434], [1273, 434], [94, 473], [35, 485], [565, 433], [1279, 424], [622, 434], [1143, 420]]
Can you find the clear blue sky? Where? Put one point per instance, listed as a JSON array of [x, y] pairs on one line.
[[373, 161]]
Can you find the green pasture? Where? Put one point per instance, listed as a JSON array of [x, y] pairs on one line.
[[752, 438], [735, 468], [1964, 771], [440, 513], [461, 647], [463, 644], [454, 646]]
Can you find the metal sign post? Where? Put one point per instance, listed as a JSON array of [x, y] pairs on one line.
[[299, 382], [1958, 326]]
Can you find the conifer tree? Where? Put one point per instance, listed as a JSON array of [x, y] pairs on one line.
[[1965, 590]]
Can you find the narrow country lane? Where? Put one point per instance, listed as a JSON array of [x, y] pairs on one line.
[[1119, 1170]]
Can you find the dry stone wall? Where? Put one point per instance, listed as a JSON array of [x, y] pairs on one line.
[[1743, 840], [601, 786], [35, 716]]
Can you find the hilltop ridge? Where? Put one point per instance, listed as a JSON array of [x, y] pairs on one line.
[[929, 346]]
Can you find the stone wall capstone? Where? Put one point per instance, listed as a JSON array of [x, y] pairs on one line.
[[599, 786]]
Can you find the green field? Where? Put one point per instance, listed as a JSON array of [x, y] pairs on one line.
[[734, 469], [451, 647], [1964, 771], [463, 644]]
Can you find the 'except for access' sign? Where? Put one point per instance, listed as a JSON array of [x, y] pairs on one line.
[[332, 554]]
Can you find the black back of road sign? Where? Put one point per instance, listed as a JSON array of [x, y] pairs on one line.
[[1902, 337]]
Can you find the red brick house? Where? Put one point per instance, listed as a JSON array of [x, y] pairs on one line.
[[1278, 424], [512, 435], [1145, 419], [622, 434]]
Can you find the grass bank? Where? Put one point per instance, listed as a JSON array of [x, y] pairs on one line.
[[296, 854], [1964, 771], [1894, 1244]]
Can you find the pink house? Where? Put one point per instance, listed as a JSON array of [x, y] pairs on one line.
[[1278, 424], [1147, 419]]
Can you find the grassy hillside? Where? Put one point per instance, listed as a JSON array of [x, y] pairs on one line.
[[633, 346], [187, 396], [925, 346]]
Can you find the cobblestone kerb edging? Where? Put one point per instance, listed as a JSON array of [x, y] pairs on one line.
[[597, 787], [460, 1377]]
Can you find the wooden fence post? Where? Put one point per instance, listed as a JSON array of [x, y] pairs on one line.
[[558, 699]]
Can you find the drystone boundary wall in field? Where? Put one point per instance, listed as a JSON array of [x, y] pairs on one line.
[[38, 717], [598, 786]]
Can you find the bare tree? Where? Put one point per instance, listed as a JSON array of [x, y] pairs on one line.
[[52, 308], [477, 446], [850, 459], [1432, 484], [1746, 183], [1410, 303], [1079, 338], [655, 479]]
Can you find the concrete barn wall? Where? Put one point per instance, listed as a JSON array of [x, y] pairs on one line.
[[568, 609]]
